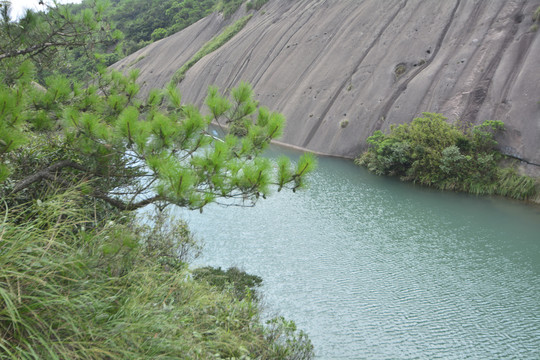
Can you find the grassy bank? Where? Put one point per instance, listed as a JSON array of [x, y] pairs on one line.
[[71, 288]]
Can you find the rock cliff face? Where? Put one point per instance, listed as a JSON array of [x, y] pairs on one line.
[[341, 69]]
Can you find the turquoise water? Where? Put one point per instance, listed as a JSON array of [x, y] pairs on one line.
[[372, 268]]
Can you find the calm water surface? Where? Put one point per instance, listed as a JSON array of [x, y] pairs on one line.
[[372, 268]]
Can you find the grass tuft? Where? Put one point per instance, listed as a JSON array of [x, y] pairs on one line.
[[536, 14]]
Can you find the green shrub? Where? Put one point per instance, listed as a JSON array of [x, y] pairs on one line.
[[239, 282], [255, 4], [400, 69], [432, 152], [453, 161], [158, 33], [228, 7]]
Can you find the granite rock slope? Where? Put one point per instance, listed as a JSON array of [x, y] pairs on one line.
[[341, 69]]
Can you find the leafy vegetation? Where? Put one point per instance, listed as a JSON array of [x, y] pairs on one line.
[[143, 22], [134, 152], [535, 19], [432, 152], [228, 7], [240, 283], [120, 25], [211, 46], [80, 276], [399, 70], [255, 4]]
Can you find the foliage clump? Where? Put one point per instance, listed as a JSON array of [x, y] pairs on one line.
[[136, 151], [144, 21], [240, 283], [58, 39], [228, 7], [255, 4], [125, 26], [399, 70], [434, 153]]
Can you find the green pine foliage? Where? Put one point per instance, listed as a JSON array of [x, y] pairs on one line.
[[58, 40], [432, 152], [105, 133], [107, 29]]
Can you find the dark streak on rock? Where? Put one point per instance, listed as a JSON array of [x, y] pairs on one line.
[[403, 86], [314, 129]]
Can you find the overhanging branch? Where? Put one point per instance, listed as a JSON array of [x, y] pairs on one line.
[[46, 174], [37, 49], [119, 204], [50, 173]]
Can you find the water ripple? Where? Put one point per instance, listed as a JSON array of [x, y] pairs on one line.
[[375, 269]]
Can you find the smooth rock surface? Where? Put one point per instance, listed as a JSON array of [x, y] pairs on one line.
[[370, 63]]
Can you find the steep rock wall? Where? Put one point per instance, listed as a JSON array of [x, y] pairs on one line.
[[370, 64]]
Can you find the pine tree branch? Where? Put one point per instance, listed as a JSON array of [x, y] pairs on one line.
[[37, 49], [49, 173], [119, 204], [46, 174]]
